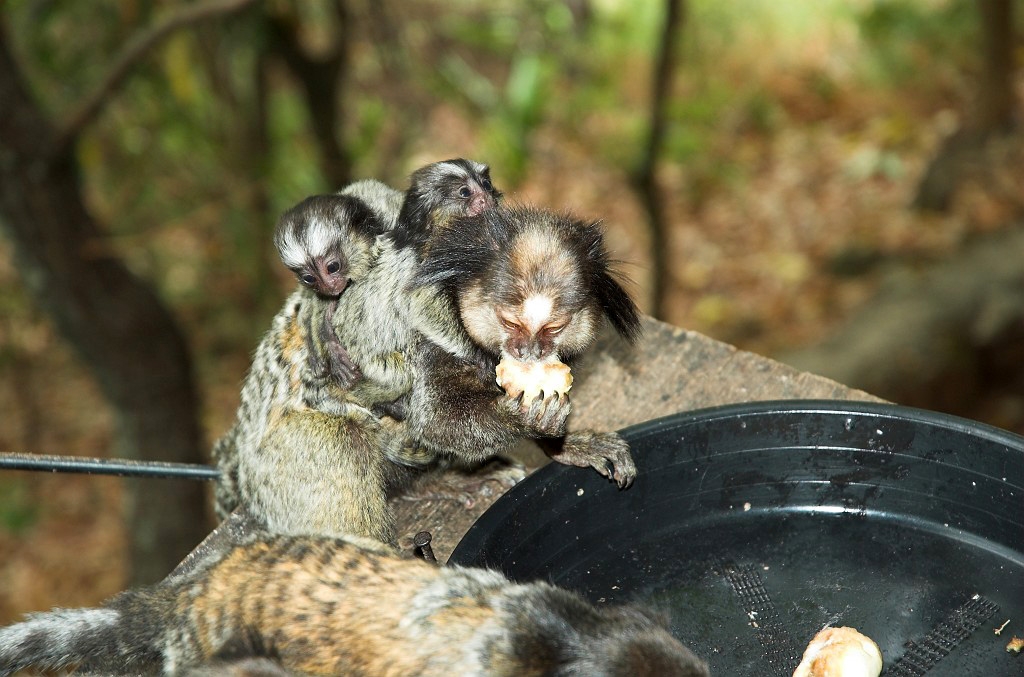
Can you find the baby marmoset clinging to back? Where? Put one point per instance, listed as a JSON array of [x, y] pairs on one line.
[[282, 379], [441, 192], [310, 448], [324, 606], [308, 240], [328, 241]]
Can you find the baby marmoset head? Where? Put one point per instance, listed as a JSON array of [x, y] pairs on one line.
[[529, 283], [326, 240], [442, 191]]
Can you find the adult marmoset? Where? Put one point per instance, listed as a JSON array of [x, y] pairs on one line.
[[528, 285], [332, 606], [283, 377]]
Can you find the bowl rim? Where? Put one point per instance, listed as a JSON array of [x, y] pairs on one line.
[[824, 406], [502, 510]]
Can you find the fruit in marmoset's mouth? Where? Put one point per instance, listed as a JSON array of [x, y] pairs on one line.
[[548, 376]]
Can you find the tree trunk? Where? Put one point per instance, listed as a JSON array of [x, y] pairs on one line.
[[994, 110], [996, 102], [321, 81], [646, 176], [114, 320], [940, 337]]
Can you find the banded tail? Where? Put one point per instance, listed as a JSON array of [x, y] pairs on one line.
[[60, 638]]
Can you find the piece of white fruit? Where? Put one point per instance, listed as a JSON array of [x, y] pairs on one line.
[[840, 652], [548, 376]]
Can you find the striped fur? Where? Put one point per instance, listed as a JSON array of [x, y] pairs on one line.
[[323, 606]]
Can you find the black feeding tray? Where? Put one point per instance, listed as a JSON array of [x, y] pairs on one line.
[[755, 525]]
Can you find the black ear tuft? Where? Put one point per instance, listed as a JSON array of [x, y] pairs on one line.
[[615, 301], [461, 251], [618, 306], [363, 219]]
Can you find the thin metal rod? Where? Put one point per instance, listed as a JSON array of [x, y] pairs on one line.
[[107, 466]]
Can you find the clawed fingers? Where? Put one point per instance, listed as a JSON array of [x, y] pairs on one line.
[[625, 472], [546, 415], [622, 473], [609, 455]]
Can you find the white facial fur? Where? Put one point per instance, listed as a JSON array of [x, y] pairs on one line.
[[479, 318], [536, 312], [318, 239]]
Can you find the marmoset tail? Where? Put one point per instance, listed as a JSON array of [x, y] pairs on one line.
[[323, 606]]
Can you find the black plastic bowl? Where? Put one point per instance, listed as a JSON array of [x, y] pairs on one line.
[[755, 525]]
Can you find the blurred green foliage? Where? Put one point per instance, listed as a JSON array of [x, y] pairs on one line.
[[905, 37], [19, 509], [210, 139], [531, 43]]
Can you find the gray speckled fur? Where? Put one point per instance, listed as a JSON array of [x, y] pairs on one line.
[[306, 602], [265, 388], [385, 200], [327, 441], [329, 460]]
